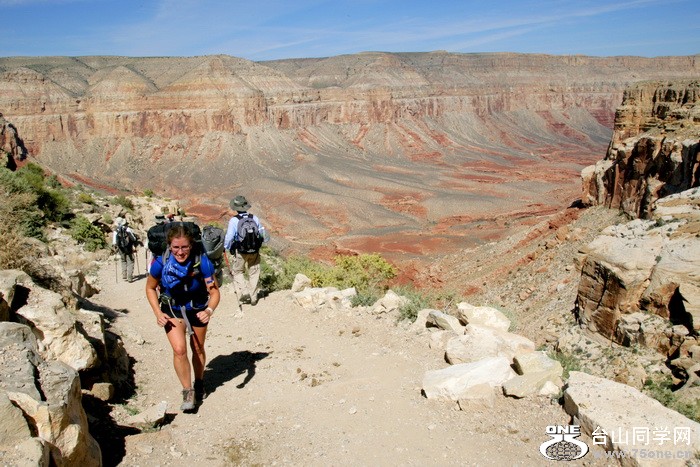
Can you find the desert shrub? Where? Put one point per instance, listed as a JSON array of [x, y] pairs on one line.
[[148, 193], [16, 250], [568, 361], [125, 202], [368, 273], [51, 199], [365, 299], [85, 198], [661, 389], [28, 203], [270, 267], [417, 300], [85, 232], [298, 264]]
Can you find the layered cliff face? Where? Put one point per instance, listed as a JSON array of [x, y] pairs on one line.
[[639, 281], [11, 145], [360, 152], [654, 149]]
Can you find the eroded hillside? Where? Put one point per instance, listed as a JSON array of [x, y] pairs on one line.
[[407, 154]]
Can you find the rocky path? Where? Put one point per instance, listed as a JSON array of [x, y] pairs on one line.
[[287, 386]]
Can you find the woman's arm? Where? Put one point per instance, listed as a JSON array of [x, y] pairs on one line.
[[152, 296], [214, 298]]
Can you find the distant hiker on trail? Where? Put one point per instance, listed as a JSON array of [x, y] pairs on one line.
[[244, 237], [183, 295], [124, 241]]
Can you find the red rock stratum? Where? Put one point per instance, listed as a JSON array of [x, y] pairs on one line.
[[409, 154]]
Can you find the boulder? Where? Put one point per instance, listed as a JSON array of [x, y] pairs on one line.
[[55, 326], [533, 362], [48, 395], [482, 315], [391, 302], [456, 382], [421, 322], [479, 341], [444, 321], [324, 298], [301, 282], [531, 383], [621, 418]]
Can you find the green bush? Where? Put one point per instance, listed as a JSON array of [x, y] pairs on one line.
[[125, 202], [568, 361], [85, 232], [364, 299], [148, 193], [417, 301], [86, 198], [661, 389], [33, 203], [368, 273], [51, 198]]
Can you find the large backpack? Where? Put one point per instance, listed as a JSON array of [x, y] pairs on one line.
[[158, 235], [209, 240], [125, 240], [213, 245], [249, 238]]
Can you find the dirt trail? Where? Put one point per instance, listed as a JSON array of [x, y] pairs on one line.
[[287, 386]]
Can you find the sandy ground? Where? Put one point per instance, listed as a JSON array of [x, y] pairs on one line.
[[291, 387]]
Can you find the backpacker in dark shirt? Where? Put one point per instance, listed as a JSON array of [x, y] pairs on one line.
[[125, 240]]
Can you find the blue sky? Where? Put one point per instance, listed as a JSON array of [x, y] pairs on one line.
[[272, 29]]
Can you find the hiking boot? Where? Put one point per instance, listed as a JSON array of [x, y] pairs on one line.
[[187, 400], [254, 299], [245, 298], [198, 390]]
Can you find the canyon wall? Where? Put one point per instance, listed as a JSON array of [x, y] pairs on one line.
[[349, 153], [639, 281], [654, 149]]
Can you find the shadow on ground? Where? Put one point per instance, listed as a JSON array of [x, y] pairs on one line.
[[224, 368], [109, 435]]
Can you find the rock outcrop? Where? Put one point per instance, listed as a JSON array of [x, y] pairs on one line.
[[48, 347], [639, 283], [654, 149], [10, 144], [620, 418]]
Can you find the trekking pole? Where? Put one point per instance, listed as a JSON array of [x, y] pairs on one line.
[[116, 272], [138, 266], [235, 292]]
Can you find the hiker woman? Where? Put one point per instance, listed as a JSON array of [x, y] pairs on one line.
[[183, 295]]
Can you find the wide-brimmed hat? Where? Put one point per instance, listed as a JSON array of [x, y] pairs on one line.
[[120, 221], [239, 203]]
